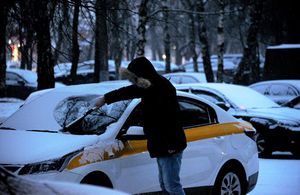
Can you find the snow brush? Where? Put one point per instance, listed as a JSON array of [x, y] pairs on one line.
[[74, 126]]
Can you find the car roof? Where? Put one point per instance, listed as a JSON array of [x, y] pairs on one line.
[[294, 82]]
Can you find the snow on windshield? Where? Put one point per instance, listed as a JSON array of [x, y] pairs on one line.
[[246, 98], [74, 107]]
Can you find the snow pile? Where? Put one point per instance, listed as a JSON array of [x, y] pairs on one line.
[[96, 152]]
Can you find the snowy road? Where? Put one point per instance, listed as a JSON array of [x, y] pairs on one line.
[[279, 175]]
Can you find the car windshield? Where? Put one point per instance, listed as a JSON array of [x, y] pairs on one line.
[[246, 98], [96, 122]]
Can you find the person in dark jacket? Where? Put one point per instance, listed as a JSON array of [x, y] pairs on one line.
[[161, 115]]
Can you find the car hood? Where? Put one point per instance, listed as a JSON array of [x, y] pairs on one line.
[[23, 147], [280, 113]]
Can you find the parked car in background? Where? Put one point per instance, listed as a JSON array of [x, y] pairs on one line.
[[234, 58], [108, 147], [20, 83], [280, 91], [186, 77], [85, 73], [277, 127], [14, 184], [229, 69]]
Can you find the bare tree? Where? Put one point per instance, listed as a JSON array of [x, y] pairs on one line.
[[192, 33], [117, 45], [167, 41], [101, 42], [3, 22], [248, 69], [204, 42], [141, 29], [75, 45], [220, 41], [45, 61]]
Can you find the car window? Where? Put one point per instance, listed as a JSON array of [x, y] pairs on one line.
[[12, 77], [195, 113], [261, 88], [291, 92], [72, 108], [174, 79], [209, 96], [188, 79], [281, 90]]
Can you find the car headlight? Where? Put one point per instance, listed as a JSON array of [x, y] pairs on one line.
[[50, 165]]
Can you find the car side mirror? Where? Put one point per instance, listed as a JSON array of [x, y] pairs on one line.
[[134, 133], [223, 105]]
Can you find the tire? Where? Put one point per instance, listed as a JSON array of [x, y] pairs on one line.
[[262, 147], [229, 182]]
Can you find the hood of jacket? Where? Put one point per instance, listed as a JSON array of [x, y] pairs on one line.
[[140, 71]]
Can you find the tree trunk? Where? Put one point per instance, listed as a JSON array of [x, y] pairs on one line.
[[141, 30], [248, 70], [167, 42], [204, 42], [192, 34], [45, 60], [117, 46], [62, 26], [75, 45], [220, 42], [3, 23], [101, 42]]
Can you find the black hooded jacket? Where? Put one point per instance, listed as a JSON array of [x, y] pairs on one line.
[[160, 108]]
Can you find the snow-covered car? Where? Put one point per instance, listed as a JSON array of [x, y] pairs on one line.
[[278, 128], [186, 77], [14, 184], [20, 83], [229, 69], [280, 91], [84, 74], [108, 147]]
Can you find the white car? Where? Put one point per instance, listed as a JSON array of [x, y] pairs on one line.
[[186, 77], [108, 146]]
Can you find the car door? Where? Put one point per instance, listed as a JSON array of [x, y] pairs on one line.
[[282, 93], [204, 152], [200, 159]]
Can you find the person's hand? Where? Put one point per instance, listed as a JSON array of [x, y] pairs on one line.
[[100, 102]]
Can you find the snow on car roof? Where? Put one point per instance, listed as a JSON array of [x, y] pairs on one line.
[[29, 115], [295, 83], [242, 96], [285, 46]]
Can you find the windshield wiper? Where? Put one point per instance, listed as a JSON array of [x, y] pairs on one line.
[[47, 131], [7, 128]]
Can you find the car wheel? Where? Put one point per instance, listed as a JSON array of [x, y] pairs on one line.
[[229, 182], [262, 148]]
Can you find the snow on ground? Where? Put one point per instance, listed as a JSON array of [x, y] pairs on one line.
[[279, 175]]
